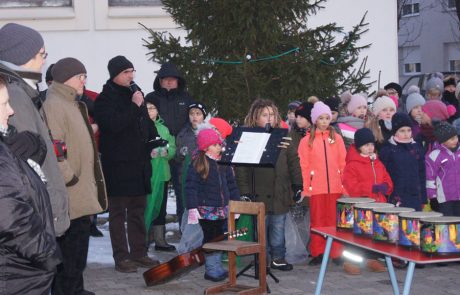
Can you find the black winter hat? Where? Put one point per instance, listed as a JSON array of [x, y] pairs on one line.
[[395, 86], [49, 75], [400, 120], [333, 103], [304, 110], [443, 131], [66, 68], [199, 106], [363, 136], [118, 64]]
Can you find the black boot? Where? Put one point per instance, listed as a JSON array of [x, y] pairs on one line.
[[95, 232], [159, 239]]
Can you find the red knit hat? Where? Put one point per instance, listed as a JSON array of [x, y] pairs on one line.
[[222, 126], [206, 138]]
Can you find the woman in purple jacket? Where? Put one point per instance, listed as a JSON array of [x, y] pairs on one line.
[[443, 170]]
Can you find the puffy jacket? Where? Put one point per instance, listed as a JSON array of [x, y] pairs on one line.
[[361, 173], [348, 126], [29, 252], [443, 174], [215, 191], [405, 162], [322, 163], [173, 104]]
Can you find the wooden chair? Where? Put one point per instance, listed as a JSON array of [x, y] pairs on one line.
[[235, 247]]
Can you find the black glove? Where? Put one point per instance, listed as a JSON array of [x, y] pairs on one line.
[[297, 189], [434, 204], [27, 145], [157, 142]]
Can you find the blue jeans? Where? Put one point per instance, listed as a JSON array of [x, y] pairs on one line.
[[274, 225]]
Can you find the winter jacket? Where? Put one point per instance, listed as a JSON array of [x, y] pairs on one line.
[[27, 117], [215, 191], [29, 252], [361, 173], [405, 162], [272, 185], [185, 143], [293, 158], [125, 130], [443, 174], [68, 121], [173, 104], [322, 164], [348, 126]]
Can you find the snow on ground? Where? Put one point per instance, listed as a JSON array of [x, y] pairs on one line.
[[100, 249]]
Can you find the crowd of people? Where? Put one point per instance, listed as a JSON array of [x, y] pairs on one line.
[[65, 157]]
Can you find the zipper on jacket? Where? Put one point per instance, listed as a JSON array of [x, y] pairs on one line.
[[312, 173], [373, 170], [327, 168]]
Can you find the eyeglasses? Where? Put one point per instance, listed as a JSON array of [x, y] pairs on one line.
[[43, 54], [81, 77]]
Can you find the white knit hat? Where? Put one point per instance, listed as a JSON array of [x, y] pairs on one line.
[[382, 103]]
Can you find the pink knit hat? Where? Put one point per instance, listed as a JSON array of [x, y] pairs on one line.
[[436, 109], [319, 108], [355, 102], [206, 138]]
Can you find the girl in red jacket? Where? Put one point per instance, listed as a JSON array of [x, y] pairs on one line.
[[365, 176], [322, 160]]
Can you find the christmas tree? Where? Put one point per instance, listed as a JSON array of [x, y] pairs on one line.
[[240, 50]]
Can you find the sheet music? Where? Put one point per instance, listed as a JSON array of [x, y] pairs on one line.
[[250, 147]]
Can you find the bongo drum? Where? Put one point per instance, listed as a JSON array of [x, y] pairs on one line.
[[344, 208], [440, 235], [362, 214], [409, 227], [385, 224]]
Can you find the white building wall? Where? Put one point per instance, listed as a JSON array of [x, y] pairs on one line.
[[94, 33]]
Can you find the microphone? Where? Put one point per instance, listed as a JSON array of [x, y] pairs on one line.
[[268, 128], [134, 87]]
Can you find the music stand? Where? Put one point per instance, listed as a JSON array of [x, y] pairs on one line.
[[268, 158]]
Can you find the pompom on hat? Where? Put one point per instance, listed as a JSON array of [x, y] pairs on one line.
[[206, 138], [19, 43]]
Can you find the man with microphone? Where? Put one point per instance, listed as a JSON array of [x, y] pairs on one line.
[[127, 136]]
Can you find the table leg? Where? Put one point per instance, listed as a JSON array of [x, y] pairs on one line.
[[409, 276], [391, 272], [322, 272]]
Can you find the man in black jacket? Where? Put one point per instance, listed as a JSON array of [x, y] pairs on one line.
[[125, 132], [172, 99]]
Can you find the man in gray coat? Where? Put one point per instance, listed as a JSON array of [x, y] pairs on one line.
[[22, 56]]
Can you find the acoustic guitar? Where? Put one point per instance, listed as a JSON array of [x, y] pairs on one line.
[[183, 263]]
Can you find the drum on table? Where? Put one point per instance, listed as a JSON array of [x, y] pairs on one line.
[[385, 224], [440, 235], [362, 215], [409, 227], [344, 208]]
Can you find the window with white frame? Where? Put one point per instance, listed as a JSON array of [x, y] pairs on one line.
[[410, 8], [454, 65], [412, 68], [35, 3], [130, 3]]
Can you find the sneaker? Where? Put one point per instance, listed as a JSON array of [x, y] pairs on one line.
[[146, 262], [316, 260], [95, 232], [125, 266], [351, 268], [281, 264], [374, 265]]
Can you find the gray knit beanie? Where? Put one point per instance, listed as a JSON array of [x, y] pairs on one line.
[[66, 68], [19, 44], [413, 100], [435, 82]]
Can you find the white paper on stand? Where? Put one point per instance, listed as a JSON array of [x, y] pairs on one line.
[[250, 147]]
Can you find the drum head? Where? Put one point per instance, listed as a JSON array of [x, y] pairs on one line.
[[420, 214], [372, 206], [441, 220], [393, 210], [355, 200]]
